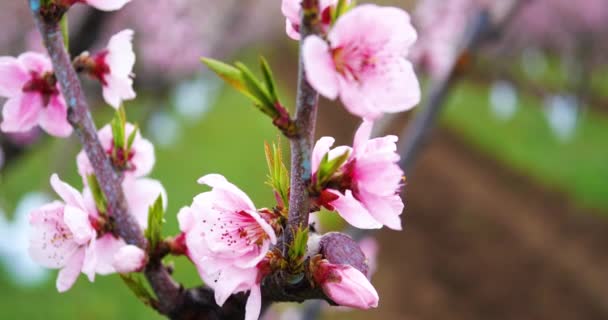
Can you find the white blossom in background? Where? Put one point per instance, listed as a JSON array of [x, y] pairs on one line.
[[503, 100], [14, 243], [167, 130], [562, 115], [192, 99]]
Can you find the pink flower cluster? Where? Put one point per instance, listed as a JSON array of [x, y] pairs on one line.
[[67, 235], [366, 189], [34, 98], [362, 59], [73, 235], [227, 240]]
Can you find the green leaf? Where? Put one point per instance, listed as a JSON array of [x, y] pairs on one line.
[[155, 223], [135, 283], [65, 32], [98, 196], [341, 8], [132, 138], [118, 124], [278, 175], [327, 168], [269, 80], [231, 75], [255, 87], [297, 250]]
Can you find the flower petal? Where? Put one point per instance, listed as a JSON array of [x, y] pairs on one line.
[[79, 224], [320, 149], [227, 193], [353, 211], [54, 118], [21, 112], [141, 194], [12, 77], [129, 259], [319, 66], [67, 192], [254, 303], [69, 274], [107, 5]]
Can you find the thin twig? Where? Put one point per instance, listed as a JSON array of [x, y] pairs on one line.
[[301, 145]]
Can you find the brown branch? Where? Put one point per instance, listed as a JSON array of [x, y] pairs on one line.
[[480, 29], [301, 145], [109, 180]]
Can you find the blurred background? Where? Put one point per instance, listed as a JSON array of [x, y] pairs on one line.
[[506, 204]]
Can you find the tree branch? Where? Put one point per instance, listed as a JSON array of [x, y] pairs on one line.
[[301, 144], [109, 180], [483, 27]]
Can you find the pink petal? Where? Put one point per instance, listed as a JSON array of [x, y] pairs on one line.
[[12, 77], [254, 303], [319, 66], [143, 157], [107, 5], [354, 212], [363, 134], [118, 90], [228, 195], [90, 260], [320, 149], [121, 57], [35, 62], [185, 219], [141, 194], [229, 280], [54, 118], [79, 224], [67, 193], [69, 274], [129, 259], [49, 241], [354, 290], [291, 31], [386, 210], [21, 113], [105, 251]]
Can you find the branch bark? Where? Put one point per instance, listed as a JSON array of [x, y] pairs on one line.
[[301, 145], [109, 180]]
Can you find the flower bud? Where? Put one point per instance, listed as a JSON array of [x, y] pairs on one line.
[[129, 259]]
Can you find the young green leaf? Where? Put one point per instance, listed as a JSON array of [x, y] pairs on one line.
[[269, 80], [278, 175], [327, 168], [132, 138], [256, 88], [231, 75], [155, 223], [297, 250], [98, 196], [135, 283], [65, 32]]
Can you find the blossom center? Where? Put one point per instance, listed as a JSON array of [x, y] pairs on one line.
[[45, 85]]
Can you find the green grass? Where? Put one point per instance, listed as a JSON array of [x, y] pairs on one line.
[[526, 143], [228, 140]]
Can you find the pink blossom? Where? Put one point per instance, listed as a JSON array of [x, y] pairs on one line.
[[292, 10], [369, 246], [62, 236], [113, 67], [226, 239], [65, 235], [346, 285], [104, 5], [138, 163], [367, 193], [33, 96], [442, 25], [364, 62], [129, 259], [141, 194]]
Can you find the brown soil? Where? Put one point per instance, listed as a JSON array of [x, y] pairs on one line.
[[481, 242]]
